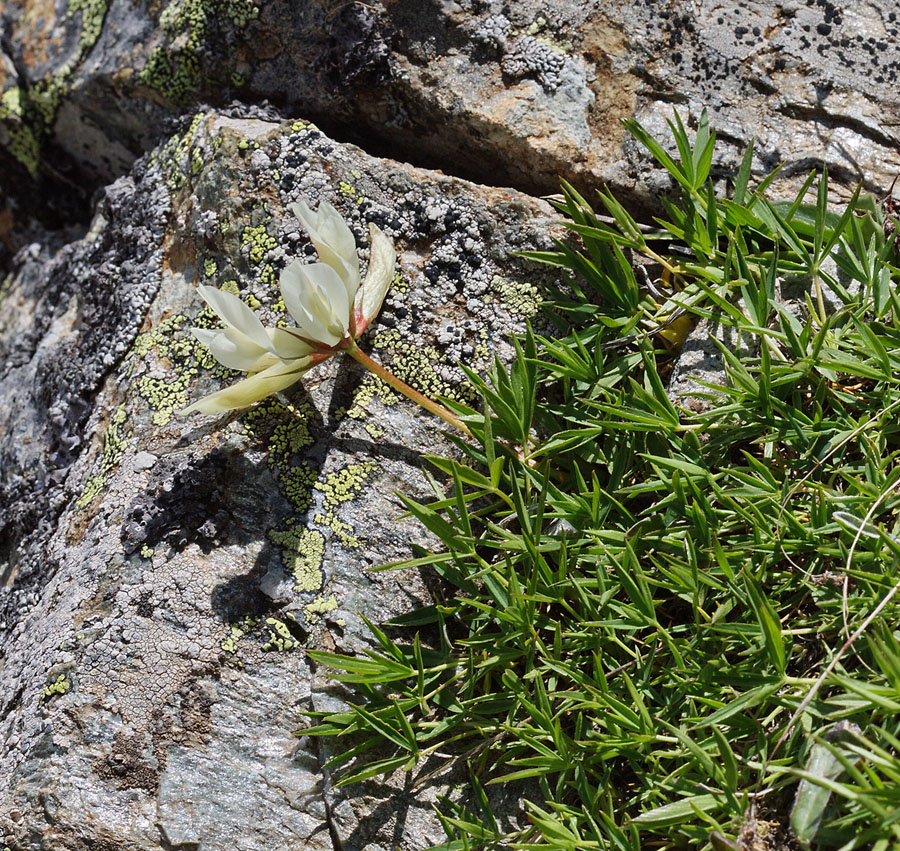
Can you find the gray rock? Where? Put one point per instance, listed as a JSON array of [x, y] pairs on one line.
[[163, 575], [509, 93]]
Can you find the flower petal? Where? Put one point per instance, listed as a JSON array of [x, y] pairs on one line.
[[252, 389], [235, 350], [333, 240], [232, 311], [286, 345], [315, 296], [382, 262]]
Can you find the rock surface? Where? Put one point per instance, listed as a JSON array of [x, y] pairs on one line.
[[507, 93], [159, 575], [162, 574]]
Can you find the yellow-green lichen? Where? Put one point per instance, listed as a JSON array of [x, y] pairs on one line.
[[318, 607], [371, 387], [236, 633], [146, 552], [280, 637], [302, 553], [21, 142], [186, 356], [259, 241], [178, 157], [297, 126], [338, 488], [415, 365], [284, 428], [267, 277], [296, 484], [58, 687], [209, 267], [346, 188], [115, 443], [517, 296], [28, 113], [174, 70], [400, 284]]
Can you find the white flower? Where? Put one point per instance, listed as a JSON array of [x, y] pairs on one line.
[[320, 295], [326, 300], [277, 357]]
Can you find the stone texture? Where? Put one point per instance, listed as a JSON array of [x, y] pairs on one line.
[[162, 574], [515, 93]]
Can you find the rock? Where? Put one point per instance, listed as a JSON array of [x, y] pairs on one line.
[[163, 574], [507, 93]]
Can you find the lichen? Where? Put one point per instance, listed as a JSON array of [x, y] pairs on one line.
[[259, 241], [318, 607], [58, 687], [237, 632], [417, 366], [280, 637], [115, 444], [174, 70], [338, 488], [22, 143], [28, 113], [178, 157], [517, 297], [302, 553]]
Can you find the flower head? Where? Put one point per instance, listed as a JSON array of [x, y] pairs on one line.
[[275, 357], [326, 300]]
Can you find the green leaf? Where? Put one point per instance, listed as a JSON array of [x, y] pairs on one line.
[[678, 811], [768, 623]]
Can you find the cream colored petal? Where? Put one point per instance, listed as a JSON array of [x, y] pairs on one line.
[[250, 390], [232, 311], [335, 231], [315, 296], [292, 285], [286, 345], [382, 263], [233, 349], [206, 335], [333, 240]]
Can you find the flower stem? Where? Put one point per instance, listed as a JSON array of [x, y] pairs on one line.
[[433, 407]]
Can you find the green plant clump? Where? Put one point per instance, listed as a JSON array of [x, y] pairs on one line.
[[667, 626]]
